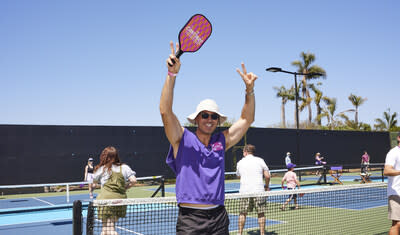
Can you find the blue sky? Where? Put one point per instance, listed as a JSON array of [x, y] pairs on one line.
[[103, 62]]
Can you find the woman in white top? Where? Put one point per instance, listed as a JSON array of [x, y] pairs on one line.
[[115, 178], [89, 168]]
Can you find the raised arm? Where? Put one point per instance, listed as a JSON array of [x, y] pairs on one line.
[[172, 127], [239, 128]]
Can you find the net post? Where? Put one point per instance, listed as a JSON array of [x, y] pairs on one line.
[[77, 218], [163, 186], [90, 219], [300, 176], [67, 193]]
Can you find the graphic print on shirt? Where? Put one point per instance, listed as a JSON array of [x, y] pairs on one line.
[[217, 146]]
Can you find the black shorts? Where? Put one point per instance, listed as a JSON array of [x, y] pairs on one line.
[[292, 196], [195, 221]]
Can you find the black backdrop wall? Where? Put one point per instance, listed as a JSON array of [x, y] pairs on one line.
[[50, 154]]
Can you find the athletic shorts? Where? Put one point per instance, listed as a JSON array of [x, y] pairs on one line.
[[394, 207], [196, 221], [89, 178], [248, 204], [292, 196]]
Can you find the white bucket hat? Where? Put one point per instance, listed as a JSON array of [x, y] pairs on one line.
[[206, 105]]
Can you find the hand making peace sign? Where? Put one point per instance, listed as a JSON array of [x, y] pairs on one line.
[[248, 78], [173, 63]]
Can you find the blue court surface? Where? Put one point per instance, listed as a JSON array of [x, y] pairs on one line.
[[374, 178], [33, 215], [234, 187], [39, 222], [6, 204]]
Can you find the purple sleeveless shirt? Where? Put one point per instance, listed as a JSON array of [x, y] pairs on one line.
[[199, 169]]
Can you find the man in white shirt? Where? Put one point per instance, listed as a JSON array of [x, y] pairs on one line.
[[251, 170], [392, 170], [287, 159]]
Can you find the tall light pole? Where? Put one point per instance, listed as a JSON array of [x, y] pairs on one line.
[[276, 69]]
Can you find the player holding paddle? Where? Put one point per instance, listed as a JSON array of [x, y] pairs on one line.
[[197, 158]]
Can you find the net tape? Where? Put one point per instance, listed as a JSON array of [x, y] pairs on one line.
[[130, 201]]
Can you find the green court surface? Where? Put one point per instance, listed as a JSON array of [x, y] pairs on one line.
[[324, 220]]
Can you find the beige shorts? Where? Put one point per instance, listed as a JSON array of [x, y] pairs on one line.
[[394, 207], [248, 204]]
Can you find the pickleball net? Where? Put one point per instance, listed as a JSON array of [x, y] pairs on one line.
[[350, 209]]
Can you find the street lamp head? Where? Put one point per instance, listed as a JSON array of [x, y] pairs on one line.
[[274, 69], [316, 74]]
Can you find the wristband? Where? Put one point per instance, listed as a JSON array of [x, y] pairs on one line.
[[250, 92], [172, 74]]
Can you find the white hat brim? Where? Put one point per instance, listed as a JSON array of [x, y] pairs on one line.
[[191, 118], [206, 105]]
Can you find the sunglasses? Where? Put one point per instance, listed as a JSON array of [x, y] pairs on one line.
[[214, 116]]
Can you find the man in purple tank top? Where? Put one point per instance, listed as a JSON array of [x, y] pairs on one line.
[[198, 158]]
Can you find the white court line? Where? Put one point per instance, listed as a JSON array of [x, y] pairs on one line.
[[125, 229], [130, 231], [51, 204]]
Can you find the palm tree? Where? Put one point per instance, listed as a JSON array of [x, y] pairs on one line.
[[350, 124], [304, 66], [305, 102], [317, 99], [356, 101], [285, 95], [388, 123], [329, 111]]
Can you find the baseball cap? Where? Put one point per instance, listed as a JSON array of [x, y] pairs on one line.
[[291, 165], [90, 159]]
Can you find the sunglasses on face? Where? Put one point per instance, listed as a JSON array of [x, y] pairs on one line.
[[214, 116]]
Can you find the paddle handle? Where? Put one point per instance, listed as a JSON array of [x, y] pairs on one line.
[[178, 54]]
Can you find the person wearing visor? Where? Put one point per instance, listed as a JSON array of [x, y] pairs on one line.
[[89, 176], [197, 158], [287, 159]]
